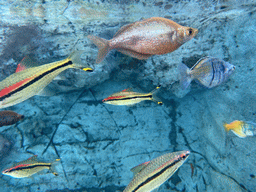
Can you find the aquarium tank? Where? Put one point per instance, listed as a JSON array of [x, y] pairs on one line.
[[128, 95]]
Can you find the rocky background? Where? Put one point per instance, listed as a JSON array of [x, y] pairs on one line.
[[98, 144]]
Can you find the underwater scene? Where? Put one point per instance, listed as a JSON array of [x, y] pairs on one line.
[[128, 95]]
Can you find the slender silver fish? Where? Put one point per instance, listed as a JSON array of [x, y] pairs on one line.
[[150, 175], [208, 71]]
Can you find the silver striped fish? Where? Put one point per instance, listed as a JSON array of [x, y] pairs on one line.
[[208, 71], [150, 175]]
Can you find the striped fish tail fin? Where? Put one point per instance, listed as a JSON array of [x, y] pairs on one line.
[[154, 97], [103, 46], [52, 167], [185, 79], [75, 57]]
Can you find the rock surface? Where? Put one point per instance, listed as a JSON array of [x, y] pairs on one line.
[[98, 144]]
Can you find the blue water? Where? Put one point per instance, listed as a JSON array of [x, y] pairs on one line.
[[97, 143]]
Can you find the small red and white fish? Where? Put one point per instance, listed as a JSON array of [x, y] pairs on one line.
[[30, 79], [129, 97], [241, 128], [208, 71], [142, 39], [150, 175], [9, 118], [28, 168]]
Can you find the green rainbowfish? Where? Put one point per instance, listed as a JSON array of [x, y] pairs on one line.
[[30, 79], [150, 175], [129, 97], [28, 167]]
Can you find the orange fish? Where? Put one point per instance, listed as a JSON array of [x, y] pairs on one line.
[[241, 128], [9, 118], [142, 39]]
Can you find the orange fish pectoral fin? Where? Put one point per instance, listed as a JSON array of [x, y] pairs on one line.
[[134, 54]]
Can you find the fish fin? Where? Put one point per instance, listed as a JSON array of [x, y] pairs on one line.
[[154, 97], [32, 159], [124, 28], [103, 46], [61, 76], [155, 190], [47, 91], [52, 168], [127, 90], [26, 62], [185, 78], [134, 54], [75, 57], [139, 167]]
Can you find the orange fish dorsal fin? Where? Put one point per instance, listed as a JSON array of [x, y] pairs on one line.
[[139, 167], [124, 28], [26, 62]]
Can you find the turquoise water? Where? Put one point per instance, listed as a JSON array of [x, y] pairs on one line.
[[98, 143]]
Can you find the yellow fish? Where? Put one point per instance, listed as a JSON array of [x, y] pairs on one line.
[[28, 167], [129, 97], [241, 128], [151, 175], [29, 80], [142, 39]]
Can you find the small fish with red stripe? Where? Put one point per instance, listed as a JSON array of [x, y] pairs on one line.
[[151, 175], [29, 167], [31, 79], [129, 97]]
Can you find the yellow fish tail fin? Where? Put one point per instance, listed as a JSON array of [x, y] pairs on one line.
[[52, 168], [103, 46], [227, 128], [75, 57], [154, 97]]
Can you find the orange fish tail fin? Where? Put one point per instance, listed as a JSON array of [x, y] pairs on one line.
[[103, 46], [227, 128], [154, 97], [185, 78]]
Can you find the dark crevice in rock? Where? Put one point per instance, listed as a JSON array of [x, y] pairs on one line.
[[79, 96]]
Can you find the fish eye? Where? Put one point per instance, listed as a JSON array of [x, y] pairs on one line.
[[190, 31]]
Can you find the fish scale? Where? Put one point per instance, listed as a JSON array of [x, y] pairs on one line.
[[156, 172], [31, 80]]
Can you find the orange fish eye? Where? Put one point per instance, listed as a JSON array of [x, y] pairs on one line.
[[190, 31]]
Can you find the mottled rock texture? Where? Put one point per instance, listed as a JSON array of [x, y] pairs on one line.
[[98, 144]]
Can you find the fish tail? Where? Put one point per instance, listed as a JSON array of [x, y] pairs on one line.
[[154, 97], [185, 78], [227, 128], [52, 168], [75, 57], [103, 46]]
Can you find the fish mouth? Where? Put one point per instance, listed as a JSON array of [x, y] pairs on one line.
[[195, 31]]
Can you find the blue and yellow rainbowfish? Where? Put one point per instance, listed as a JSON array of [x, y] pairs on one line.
[[151, 175], [29, 79], [28, 168]]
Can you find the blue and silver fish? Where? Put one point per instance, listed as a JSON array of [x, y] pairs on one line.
[[208, 71]]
